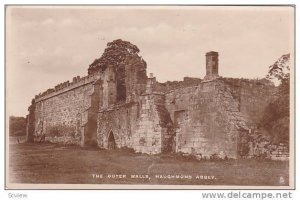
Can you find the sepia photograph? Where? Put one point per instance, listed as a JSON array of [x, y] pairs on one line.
[[149, 97]]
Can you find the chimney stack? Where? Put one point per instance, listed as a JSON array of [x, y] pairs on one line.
[[212, 65]]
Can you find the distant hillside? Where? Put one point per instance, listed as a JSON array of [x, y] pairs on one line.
[[17, 126]]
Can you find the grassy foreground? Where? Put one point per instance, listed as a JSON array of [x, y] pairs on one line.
[[50, 163]]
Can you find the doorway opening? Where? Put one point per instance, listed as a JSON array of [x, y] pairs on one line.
[[111, 141]]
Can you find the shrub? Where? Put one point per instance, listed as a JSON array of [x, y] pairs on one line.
[[17, 126]]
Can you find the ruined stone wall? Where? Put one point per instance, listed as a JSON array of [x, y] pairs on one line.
[[135, 77], [253, 96], [214, 117], [109, 87], [142, 126], [206, 118], [254, 99], [120, 121], [30, 126], [173, 85], [154, 131], [62, 115], [117, 105]]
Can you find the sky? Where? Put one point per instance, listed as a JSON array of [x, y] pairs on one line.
[[49, 45]]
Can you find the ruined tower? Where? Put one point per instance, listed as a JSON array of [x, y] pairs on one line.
[[212, 65]]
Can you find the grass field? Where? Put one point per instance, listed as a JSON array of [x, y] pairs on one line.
[[50, 163]]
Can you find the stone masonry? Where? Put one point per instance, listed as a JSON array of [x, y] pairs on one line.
[[118, 106]]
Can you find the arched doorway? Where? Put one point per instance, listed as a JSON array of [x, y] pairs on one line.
[[111, 141]]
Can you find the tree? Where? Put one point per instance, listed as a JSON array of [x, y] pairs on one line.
[[280, 70], [276, 118], [17, 126], [114, 55]]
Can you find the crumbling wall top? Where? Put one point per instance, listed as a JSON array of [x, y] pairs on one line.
[[66, 86], [247, 82], [172, 85]]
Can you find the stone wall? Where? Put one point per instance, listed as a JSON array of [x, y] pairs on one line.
[[144, 126], [253, 96], [203, 118], [173, 85], [135, 77], [109, 94], [214, 117], [62, 114], [30, 118], [118, 106], [206, 118], [154, 131], [120, 121]]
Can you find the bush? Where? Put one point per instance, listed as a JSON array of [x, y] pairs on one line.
[[17, 126]]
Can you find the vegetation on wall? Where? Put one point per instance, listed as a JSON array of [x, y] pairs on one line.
[[114, 55]]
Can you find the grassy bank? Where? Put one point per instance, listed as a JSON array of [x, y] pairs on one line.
[[49, 163]]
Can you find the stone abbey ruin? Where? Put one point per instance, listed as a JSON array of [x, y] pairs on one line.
[[118, 106]]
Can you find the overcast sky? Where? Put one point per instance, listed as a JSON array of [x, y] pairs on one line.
[[46, 46]]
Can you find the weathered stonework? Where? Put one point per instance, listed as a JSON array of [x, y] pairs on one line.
[[118, 106], [62, 116]]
